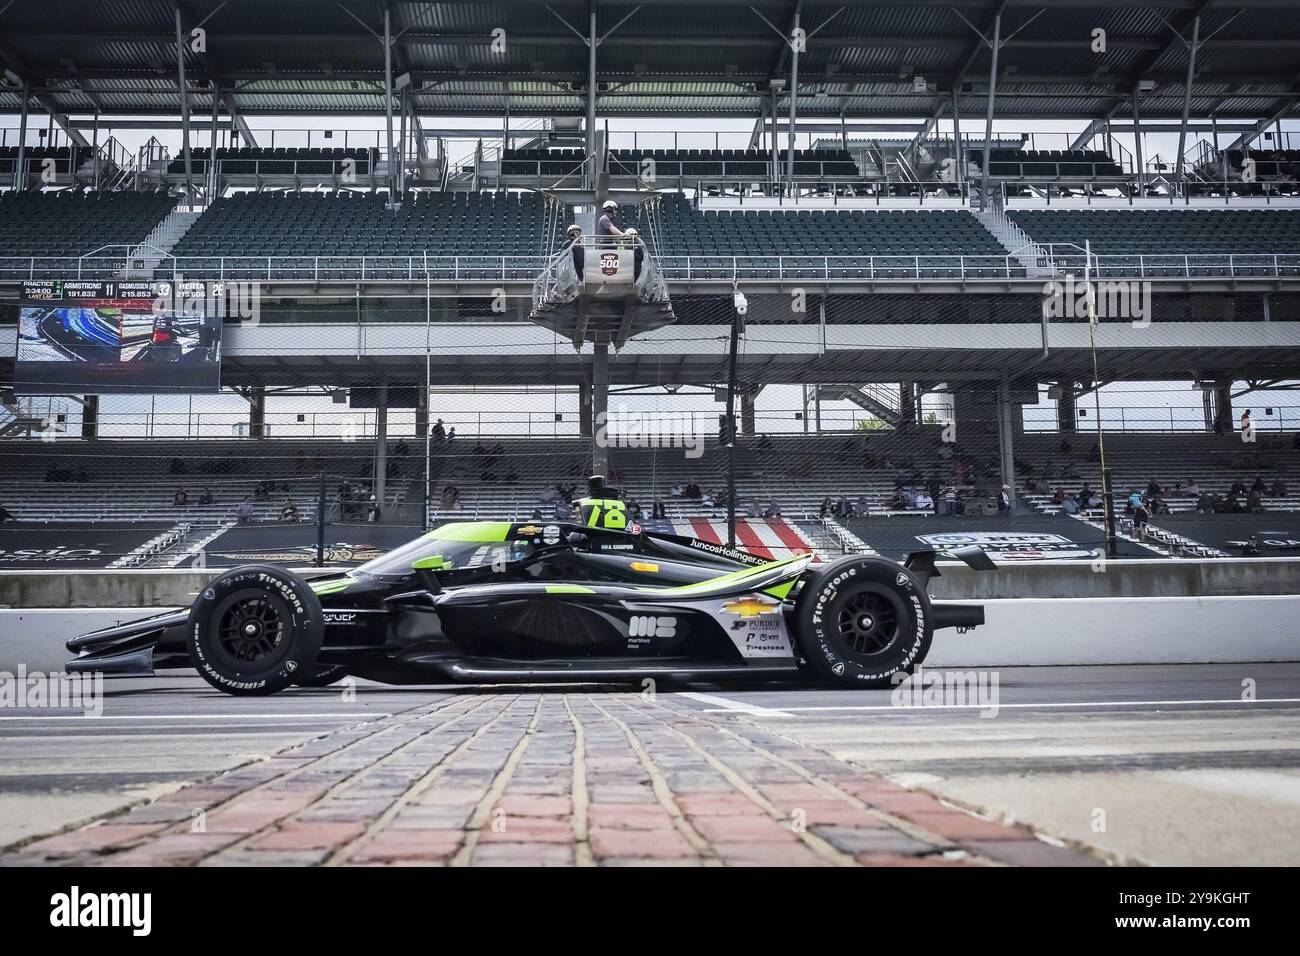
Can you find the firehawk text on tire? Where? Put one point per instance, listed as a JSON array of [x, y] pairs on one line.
[[253, 630], [861, 620]]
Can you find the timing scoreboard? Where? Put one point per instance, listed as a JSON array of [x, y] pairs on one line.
[[118, 336]]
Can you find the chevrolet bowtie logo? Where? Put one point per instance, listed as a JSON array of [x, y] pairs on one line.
[[530, 529], [751, 607]]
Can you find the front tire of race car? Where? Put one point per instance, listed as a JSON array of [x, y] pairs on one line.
[[252, 631], [861, 620], [320, 675]]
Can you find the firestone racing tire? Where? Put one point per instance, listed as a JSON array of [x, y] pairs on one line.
[[252, 631], [861, 620]]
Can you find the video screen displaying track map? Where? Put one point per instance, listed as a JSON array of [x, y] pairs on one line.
[[106, 337]]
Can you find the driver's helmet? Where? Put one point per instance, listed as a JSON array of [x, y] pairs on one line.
[[603, 507]]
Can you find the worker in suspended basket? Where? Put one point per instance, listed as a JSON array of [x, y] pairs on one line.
[[579, 253], [608, 229]]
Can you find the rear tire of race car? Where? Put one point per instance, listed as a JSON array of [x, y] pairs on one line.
[[861, 620], [253, 630], [320, 675]]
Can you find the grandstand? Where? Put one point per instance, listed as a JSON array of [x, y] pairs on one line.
[[892, 247]]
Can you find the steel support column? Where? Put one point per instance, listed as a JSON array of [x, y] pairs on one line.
[[1137, 145], [212, 152], [794, 96], [988, 114], [1187, 95], [776, 149], [20, 173], [1006, 446], [600, 406], [959, 153], [185, 107], [592, 42], [388, 100]]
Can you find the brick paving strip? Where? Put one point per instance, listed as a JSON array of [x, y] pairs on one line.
[[557, 778]]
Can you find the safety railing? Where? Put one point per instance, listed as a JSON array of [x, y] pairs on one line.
[[716, 193], [672, 267], [1158, 419], [341, 168], [662, 172]]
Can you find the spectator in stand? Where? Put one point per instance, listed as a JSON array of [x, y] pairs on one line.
[[898, 502], [634, 510], [438, 433], [206, 497], [6, 515], [1238, 488], [450, 500], [658, 511], [373, 512], [181, 498], [1134, 501], [451, 434], [825, 508], [692, 491], [1205, 504], [1059, 497], [244, 513], [1193, 490], [1004, 500], [1235, 505], [1259, 485], [1153, 488], [1140, 518], [773, 509], [949, 500], [1279, 488], [1254, 502], [923, 501], [1156, 505], [1245, 422], [289, 510], [562, 510], [1070, 504]]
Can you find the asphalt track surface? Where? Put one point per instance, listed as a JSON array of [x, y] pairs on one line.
[[1159, 764]]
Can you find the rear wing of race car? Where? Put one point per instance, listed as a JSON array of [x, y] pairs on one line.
[[921, 563], [961, 616]]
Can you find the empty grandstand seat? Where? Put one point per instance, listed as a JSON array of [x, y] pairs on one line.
[[297, 228], [1163, 237], [75, 223]]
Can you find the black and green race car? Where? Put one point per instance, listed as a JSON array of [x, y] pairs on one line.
[[498, 601]]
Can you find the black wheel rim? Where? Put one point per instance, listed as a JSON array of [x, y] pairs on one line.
[[869, 622], [251, 627]]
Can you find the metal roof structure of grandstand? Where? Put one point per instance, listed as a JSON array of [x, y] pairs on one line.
[[655, 57]]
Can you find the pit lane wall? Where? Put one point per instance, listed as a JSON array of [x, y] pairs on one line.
[[1038, 613]]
